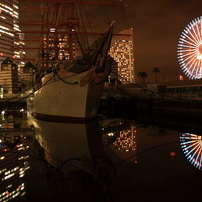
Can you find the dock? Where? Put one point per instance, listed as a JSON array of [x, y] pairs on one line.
[[179, 110]]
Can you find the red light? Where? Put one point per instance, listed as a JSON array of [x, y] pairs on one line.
[[1, 54], [5, 150]]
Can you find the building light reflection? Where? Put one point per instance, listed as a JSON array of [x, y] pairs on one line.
[[127, 140], [13, 159]]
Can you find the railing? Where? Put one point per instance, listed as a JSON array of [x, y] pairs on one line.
[[149, 95], [15, 129], [195, 96], [13, 97]]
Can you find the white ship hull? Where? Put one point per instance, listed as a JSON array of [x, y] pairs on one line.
[[68, 97], [77, 71]]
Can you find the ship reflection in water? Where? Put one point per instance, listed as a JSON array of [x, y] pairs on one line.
[[77, 163], [109, 161]]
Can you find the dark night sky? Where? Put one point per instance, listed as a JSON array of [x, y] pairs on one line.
[[157, 27]]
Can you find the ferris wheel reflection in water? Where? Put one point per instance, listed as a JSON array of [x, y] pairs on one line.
[[191, 145]]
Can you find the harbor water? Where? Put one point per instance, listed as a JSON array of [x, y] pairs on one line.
[[109, 159]]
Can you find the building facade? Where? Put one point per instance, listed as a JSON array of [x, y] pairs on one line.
[[11, 38], [9, 76], [13, 70], [123, 53]]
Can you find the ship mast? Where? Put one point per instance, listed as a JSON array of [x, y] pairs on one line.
[[59, 36], [62, 26], [71, 29]]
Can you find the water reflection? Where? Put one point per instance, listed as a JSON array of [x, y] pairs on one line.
[[192, 147], [77, 162], [13, 165], [102, 161], [126, 141]]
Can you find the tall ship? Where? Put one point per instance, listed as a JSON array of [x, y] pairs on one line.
[[74, 63]]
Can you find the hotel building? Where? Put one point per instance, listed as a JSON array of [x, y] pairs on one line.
[[122, 52]]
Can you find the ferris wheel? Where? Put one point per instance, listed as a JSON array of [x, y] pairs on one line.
[[191, 145], [190, 49]]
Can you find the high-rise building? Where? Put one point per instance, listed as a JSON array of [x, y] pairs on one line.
[[122, 52], [11, 38], [12, 54]]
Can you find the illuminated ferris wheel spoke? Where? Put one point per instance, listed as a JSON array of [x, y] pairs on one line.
[[193, 70], [199, 30], [182, 52], [186, 48], [188, 55], [198, 154], [196, 29], [191, 45], [199, 69], [196, 34], [192, 38], [195, 144], [193, 63], [190, 151], [200, 158], [201, 27], [185, 36], [190, 60], [187, 42], [188, 33], [184, 42], [197, 160]]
